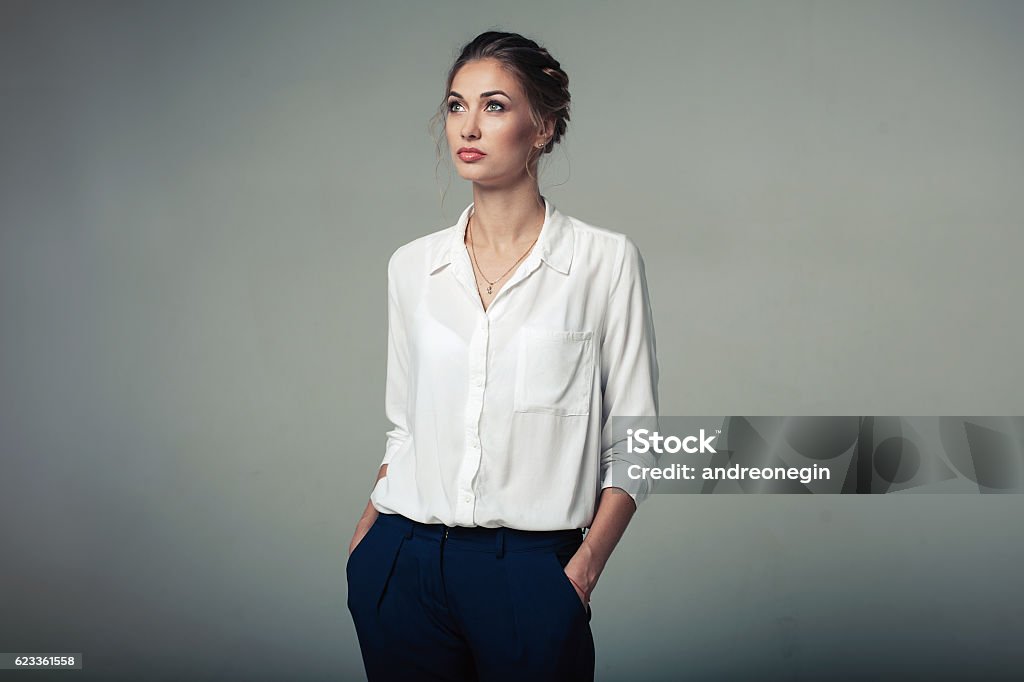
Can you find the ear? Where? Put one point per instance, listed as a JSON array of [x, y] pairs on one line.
[[546, 132]]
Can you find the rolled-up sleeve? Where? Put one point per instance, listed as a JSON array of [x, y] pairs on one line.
[[397, 385], [629, 373]]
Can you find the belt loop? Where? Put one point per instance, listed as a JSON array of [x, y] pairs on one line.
[[408, 528], [499, 543]]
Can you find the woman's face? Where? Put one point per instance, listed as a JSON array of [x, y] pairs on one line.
[[488, 111]]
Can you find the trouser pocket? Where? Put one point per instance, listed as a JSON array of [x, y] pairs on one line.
[[562, 556], [552, 624], [369, 568]]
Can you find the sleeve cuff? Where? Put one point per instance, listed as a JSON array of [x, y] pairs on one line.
[[394, 444], [616, 475]]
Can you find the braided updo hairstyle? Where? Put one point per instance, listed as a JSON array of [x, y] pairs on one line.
[[539, 74]]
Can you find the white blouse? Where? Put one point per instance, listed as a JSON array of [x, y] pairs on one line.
[[502, 417]]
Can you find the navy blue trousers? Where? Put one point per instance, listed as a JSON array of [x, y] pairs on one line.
[[434, 602]]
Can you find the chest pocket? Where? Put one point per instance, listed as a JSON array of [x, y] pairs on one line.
[[555, 371]]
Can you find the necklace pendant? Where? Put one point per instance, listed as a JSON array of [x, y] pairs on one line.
[[488, 288]]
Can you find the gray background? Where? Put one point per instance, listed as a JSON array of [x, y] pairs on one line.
[[197, 204]]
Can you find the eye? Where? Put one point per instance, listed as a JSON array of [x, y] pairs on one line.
[[497, 103], [453, 103]]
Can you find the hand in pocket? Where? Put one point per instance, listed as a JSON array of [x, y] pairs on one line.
[[362, 528]]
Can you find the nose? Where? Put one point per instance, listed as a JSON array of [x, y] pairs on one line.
[[470, 130]]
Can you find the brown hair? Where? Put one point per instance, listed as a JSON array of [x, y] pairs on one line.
[[539, 75]]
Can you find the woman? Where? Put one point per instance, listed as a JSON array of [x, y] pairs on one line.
[[513, 336]]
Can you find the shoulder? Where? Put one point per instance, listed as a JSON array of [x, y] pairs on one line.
[[603, 245], [417, 254], [596, 236]]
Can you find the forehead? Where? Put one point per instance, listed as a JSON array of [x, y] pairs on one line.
[[483, 75]]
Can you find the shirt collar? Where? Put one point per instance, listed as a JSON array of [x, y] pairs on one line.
[[554, 244]]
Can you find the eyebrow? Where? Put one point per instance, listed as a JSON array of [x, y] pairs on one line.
[[482, 94]]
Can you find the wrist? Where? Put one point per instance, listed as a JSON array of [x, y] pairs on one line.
[[592, 563], [586, 591]]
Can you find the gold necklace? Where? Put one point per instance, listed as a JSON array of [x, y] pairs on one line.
[[472, 248]]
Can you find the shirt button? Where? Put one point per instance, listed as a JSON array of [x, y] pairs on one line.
[[467, 498], [478, 382]]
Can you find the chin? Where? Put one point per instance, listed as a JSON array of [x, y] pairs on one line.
[[479, 178], [485, 177]]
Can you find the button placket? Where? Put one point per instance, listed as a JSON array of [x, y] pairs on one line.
[[474, 409]]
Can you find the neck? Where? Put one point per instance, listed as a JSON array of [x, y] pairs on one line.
[[504, 220]]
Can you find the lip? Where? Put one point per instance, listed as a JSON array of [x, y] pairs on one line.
[[470, 154]]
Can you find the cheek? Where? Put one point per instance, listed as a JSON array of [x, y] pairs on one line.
[[513, 138]]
